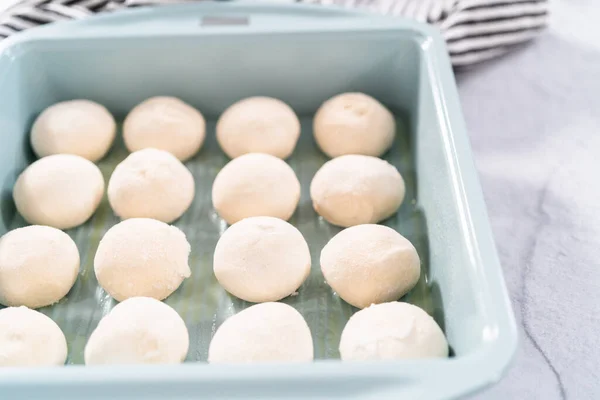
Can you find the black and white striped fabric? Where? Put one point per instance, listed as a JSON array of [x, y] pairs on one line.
[[475, 30]]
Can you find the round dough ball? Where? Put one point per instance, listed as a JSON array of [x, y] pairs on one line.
[[254, 185], [62, 191], [29, 338], [142, 257], [261, 259], [165, 123], [392, 331], [352, 190], [79, 127], [38, 266], [370, 264], [258, 125], [151, 183], [354, 123], [140, 330], [268, 332]]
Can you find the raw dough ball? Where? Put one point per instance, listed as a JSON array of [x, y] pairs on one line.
[[151, 183], [392, 331], [79, 127], [261, 259], [142, 257], [165, 123], [352, 190], [38, 266], [370, 264], [258, 125], [354, 123], [62, 191], [255, 185], [268, 332], [29, 338], [140, 330]]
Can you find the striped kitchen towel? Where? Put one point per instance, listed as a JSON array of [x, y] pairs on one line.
[[475, 30]]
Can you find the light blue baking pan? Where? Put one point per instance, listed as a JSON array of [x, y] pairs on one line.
[[211, 55]]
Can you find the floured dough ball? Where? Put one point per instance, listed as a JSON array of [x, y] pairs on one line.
[[38, 266], [370, 264], [392, 331], [261, 259], [253, 185], [62, 191], [354, 123], [140, 330], [165, 123], [79, 127], [29, 338], [142, 257], [268, 332], [258, 125], [354, 189], [151, 183]]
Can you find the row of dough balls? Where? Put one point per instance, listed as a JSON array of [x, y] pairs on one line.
[[349, 123], [137, 257], [63, 190], [364, 264], [346, 191], [276, 332], [145, 257], [143, 330]]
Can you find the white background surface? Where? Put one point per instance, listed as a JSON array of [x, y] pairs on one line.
[[6, 4]]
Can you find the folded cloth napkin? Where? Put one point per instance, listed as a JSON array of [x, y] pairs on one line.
[[475, 30]]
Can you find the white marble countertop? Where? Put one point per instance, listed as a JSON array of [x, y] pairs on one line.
[[534, 121]]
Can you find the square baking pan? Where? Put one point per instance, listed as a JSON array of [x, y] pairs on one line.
[[211, 55]]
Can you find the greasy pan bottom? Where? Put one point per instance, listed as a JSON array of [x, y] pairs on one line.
[[200, 300]]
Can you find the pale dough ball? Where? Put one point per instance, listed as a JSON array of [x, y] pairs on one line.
[[29, 338], [355, 189], [79, 127], [354, 123], [38, 266], [151, 183], [370, 264], [62, 191], [165, 123], [392, 331], [258, 125], [142, 257], [253, 185], [261, 259], [268, 332], [140, 330]]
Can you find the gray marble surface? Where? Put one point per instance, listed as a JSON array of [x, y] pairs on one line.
[[534, 122]]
